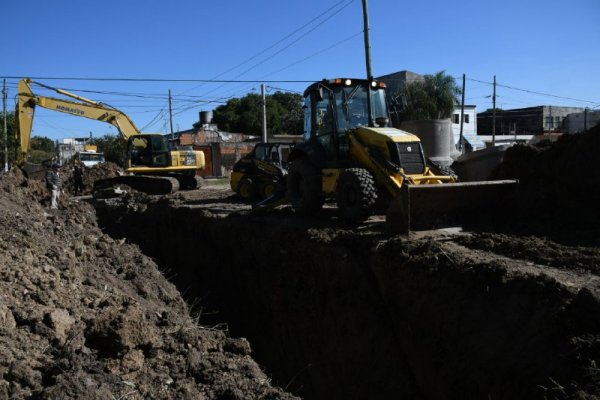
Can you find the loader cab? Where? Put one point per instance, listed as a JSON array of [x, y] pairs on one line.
[[333, 107], [148, 151]]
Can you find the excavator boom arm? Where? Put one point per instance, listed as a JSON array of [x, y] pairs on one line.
[[27, 101]]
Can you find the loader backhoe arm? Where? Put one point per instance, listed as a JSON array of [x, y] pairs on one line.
[[27, 101]]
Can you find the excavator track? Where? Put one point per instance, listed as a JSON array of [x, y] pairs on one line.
[[143, 183], [187, 182]]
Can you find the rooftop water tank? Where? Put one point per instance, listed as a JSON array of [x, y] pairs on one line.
[[206, 117]]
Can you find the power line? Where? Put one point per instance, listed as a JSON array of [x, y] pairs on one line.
[[270, 57], [534, 92], [295, 41], [305, 58], [157, 79], [318, 52], [283, 90], [152, 121], [278, 42]]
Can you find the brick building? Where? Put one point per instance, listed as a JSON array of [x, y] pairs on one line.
[[221, 149]]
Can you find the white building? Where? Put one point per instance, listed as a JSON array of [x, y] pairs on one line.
[[69, 148], [469, 127]]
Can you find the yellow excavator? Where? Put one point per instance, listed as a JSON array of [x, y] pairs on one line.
[[352, 155], [152, 166]]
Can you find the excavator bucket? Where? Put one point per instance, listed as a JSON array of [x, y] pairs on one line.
[[35, 171], [432, 206]]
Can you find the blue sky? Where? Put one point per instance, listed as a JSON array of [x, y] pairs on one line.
[[550, 46]]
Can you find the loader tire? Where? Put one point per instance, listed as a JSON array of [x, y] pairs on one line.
[[247, 189], [356, 195], [267, 189], [304, 187]]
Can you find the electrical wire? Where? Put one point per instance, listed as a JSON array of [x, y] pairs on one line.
[[534, 92], [284, 90], [156, 79], [316, 53], [270, 57], [277, 42]]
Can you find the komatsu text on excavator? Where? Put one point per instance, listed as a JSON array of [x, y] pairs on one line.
[[152, 166]]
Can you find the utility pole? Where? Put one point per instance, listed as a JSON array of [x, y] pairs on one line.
[[462, 116], [171, 115], [264, 113], [368, 58], [4, 95], [494, 114], [584, 116]]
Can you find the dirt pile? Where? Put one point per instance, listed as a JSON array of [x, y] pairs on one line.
[[90, 175], [86, 316], [559, 182]]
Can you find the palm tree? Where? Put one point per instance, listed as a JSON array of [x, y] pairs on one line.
[[434, 97]]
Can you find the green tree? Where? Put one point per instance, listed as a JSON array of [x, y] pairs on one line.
[[42, 143], [291, 116], [113, 147], [244, 115], [435, 97], [11, 140], [41, 149]]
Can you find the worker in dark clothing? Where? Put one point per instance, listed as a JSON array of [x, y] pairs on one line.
[[78, 179], [54, 185]]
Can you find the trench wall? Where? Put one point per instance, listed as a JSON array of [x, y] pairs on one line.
[[335, 315]]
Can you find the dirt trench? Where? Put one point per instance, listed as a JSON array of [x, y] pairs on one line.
[[338, 314]]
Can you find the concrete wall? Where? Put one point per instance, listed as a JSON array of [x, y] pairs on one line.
[[436, 139], [395, 81]]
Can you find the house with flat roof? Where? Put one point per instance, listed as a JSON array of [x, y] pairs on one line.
[[525, 121]]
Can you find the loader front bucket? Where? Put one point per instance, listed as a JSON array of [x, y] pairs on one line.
[[432, 206]]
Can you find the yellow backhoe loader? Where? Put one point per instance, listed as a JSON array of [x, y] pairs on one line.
[[152, 165], [352, 155]]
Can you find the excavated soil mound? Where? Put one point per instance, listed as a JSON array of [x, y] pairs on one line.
[[559, 186], [90, 175], [85, 316]]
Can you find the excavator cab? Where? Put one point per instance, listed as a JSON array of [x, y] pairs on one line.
[[149, 151]]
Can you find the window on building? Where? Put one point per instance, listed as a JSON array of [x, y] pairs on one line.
[[466, 118], [455, 119]]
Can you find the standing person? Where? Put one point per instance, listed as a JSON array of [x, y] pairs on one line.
[[54, 185], [78, 178]]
